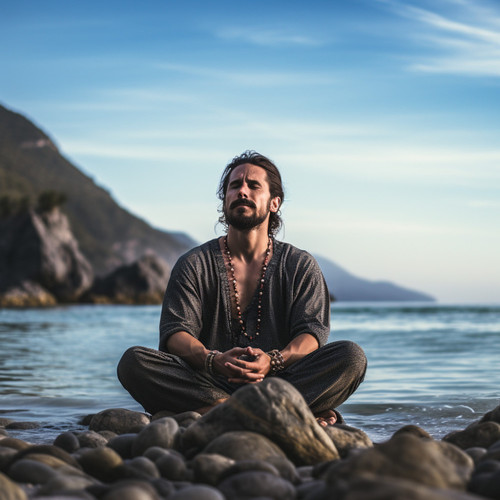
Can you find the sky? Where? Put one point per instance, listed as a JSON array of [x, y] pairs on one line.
[[382, 115]]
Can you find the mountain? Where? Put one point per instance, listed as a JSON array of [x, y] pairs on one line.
[[108, 235], [344, 286]]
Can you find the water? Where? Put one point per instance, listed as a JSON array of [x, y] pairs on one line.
[[435, 366]]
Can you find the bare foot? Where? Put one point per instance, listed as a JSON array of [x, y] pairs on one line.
[[327, 417]]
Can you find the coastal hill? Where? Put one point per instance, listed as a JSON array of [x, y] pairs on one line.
[[346, 287], [108, 235]]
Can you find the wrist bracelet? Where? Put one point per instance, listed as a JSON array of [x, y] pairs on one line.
[[209, 362], [277, 361]]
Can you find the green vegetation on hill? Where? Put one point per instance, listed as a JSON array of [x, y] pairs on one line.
[[108, 234]]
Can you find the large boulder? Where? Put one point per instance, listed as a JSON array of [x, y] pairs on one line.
[[273, 408], [40, 249], [142, 282]]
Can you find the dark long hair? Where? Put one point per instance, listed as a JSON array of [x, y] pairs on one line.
[[273, 178]]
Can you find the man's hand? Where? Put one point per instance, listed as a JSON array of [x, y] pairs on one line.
[[243, 365]]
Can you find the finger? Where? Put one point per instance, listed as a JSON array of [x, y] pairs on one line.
[[244, 380]]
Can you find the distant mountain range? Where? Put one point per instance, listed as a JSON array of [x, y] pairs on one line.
[[110, 236]]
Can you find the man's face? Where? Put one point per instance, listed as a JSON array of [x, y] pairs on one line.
[[248, 199]]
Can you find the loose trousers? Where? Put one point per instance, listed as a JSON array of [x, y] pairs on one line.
[[161, 381]]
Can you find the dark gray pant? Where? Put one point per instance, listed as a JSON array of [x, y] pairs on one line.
[[161, 381]]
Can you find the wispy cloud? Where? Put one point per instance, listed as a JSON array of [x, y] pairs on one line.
[[465, 39], [268, 37]]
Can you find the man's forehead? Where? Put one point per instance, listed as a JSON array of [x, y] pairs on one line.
[[248, 170]]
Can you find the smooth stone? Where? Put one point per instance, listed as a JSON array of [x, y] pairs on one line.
[[250, 465], [122, 444], [163, 487], [286, 469], [476, 453], [155, 452], [430, 463], [108, 435], [100, 462], [51, 461], [22, 425], [160, 433], [9, 490], [257, 484], [5, 421], [346, 438], [482, 434], [487, 485], [491, 454], [487, 466], [62, 484], [67, 441], [119, 420], [85, 421], [14, 443], [311, 490], [131, 490], [244, 445], [209, 467], [186, 418], [172, 466], [48, 450], [273, 409], [6, 456], [413, 429], [3, 433], [91, 439], [198, 492], [144, 466], [31, 471], [492, 416]]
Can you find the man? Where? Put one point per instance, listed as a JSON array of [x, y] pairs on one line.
[[244, 307]]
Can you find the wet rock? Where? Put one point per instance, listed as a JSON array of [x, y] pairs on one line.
[[257, 484], [22, 425], [486, 484], [186, 418], [345, 438], [14, 443], [155, 452], [67, 441], [274, 409], [492, 416], [244, 445], [49, 451], [10, 490], [172, 466], [5, 421], [250, 465], [119, 420], [285, 468], [100, 462], [6, 455], [63, 485], [161, 433], [31, 471], [476, 453], [144, 466], [415, 430], [132, 490], [122, 444], [91, 439], [482, 434], [198, 492], [209, 467], [429, 463]]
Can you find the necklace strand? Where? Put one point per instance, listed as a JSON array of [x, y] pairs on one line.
[[236, 294]]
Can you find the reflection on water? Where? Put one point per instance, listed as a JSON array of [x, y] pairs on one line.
[[433, 366]]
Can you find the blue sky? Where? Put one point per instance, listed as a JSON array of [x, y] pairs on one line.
[[382, 115]]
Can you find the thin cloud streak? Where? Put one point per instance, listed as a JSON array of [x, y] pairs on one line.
[[268, 37]]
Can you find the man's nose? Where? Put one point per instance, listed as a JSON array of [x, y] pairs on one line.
[[243, 192]]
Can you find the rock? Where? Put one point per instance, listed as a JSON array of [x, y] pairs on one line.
[[244, 445], [40, 249], [171, 466], [250, 465], [6, 456], [285, 468], [22, 425], [482, 434], [209, 467], [184, 419], [67, 441], [197, 492], [144, 466], [274, 409], [415, 430], [158, 433], [91, 439], [476, 453], [100, 462], [155, 452], [122, 444], [492, 416], [9, 490], [14, 443], [31, 471], [257, 484], [132, 490], [119, 420], [429, 463], [66, 487], [49, 451], [345, 438], [142, 282], [5, 421], [26, 294]]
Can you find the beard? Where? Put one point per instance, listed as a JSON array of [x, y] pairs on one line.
[[244, 222]]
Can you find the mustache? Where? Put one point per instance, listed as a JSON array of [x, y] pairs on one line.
[[242, 202]]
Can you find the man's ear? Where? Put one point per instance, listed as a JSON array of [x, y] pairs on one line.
[[275, 204]]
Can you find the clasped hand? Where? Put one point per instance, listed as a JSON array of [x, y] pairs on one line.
[[243, 365]]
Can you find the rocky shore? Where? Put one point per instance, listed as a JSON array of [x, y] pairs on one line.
[[263, 443]]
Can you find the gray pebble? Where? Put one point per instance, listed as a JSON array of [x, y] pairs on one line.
[[172, 466], [198, 492], [122, 444], [31, 471], [159, 433], [67, 441], [209, 467]]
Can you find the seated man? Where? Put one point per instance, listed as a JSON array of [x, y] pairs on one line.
[[244, 307]]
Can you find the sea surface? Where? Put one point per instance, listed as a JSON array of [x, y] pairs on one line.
[[433, 365]]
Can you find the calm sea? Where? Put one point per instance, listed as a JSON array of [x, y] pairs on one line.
[[436, 366]]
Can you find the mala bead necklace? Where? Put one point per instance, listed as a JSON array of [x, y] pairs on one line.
[[235, 288]]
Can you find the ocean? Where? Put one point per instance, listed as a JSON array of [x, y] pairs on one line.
[[431, 365]]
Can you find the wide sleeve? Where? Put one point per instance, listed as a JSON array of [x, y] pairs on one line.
[[181, 310], [310, 300]]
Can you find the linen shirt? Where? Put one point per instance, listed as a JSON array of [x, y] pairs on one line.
[[295, 300]]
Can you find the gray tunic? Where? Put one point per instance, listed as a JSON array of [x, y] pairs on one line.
[[295, 300]]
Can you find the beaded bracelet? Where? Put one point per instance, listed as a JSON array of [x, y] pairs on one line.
[[277, 361], [209, 362]]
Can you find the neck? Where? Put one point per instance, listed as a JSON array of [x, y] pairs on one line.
[[247, 245]]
